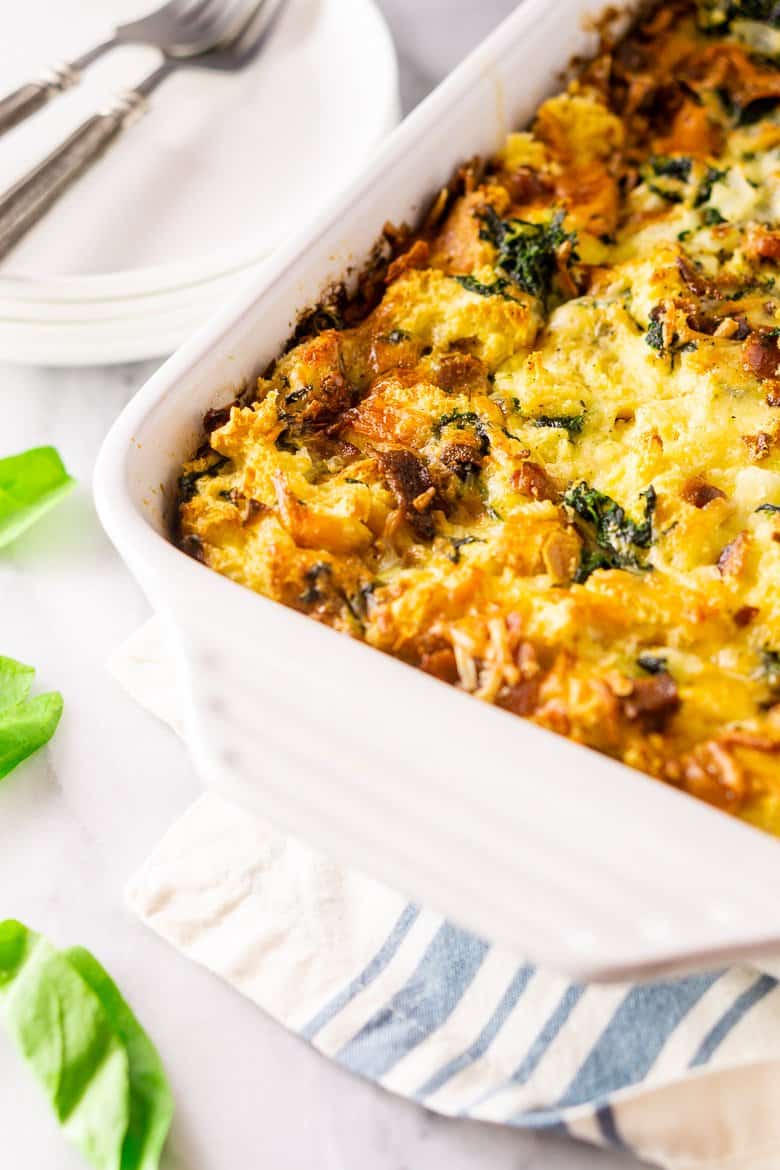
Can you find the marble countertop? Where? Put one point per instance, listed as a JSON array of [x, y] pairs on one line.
[[79, 817]]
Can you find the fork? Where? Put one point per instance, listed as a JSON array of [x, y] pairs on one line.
[[30, 198], [180, 28]]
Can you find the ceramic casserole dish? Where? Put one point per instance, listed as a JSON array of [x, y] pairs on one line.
[[562, 854]]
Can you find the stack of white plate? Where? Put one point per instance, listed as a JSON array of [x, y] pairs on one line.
[[195, 195]]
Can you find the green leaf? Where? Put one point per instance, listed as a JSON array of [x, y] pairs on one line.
[[573, 423], [713, 175], [15, 681], [616, 536], [528, 253], [496, 289], [671, 166], [151, 1103], [25, 724], [30, 484], [770, 668], [27, 727], [63, 1034], [653, 663], [91, 1056]]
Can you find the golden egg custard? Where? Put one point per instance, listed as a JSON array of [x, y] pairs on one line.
[[538, 453]]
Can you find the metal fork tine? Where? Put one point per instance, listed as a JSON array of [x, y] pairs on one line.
[[253, 32], [239, 13], [195, 9], [218, 14]]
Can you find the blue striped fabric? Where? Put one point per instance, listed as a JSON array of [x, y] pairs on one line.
[[633, 1038], [367, 975], [480, 1046], [548, 1033], [730, 1018], [622, 1054], [420, 1007]]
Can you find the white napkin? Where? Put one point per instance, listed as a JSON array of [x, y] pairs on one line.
[[685, 1073]]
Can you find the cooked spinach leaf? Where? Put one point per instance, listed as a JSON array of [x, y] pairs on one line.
[[573, 423], [188, 483], [654, 336], [672, 168], [297, 395], [711, 177], [652, 664], [465, 420], [670, 194], [768, 508], [612, 538], [358, 603], [496, 289], [318, 580], [528, 252], [458, 542], [754, 111], [770, 669], [717, 15]]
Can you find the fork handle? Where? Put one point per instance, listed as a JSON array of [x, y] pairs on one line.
[[31, 197], [23, 102]]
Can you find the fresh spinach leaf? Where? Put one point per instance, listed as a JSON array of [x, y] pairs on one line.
[[150, 1100], [25, 724], [63, 1036], [30, 484], [86, 1049]]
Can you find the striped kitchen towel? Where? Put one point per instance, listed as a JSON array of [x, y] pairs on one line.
[[685, 1073]]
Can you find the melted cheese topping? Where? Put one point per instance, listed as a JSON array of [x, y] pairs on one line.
[[546, 466]]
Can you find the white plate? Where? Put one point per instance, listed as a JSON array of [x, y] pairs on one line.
[[194, 196]]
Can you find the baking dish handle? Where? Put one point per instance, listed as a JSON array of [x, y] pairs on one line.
[[561, 855]]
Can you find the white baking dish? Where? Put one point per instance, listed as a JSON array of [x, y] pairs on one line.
[[567, 857]]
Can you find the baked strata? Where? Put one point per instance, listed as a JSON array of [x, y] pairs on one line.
[[538, 454]]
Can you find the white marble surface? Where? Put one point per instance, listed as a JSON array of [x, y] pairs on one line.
[[79, 817]]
